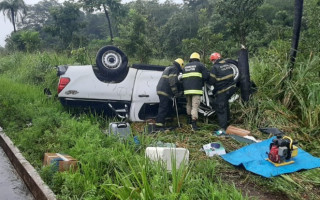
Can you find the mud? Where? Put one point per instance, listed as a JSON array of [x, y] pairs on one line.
[[11, 185]]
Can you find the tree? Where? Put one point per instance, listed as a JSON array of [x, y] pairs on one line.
[[270, 8], [66, 22], [95, 28], [133, 37], [38, 19], [196, 4], [159, 13], [205, 40], [106, 5], [275, 24], [180, 26], [13, 9], [241, 15], [23, 41], [310, 37], [38, 15]]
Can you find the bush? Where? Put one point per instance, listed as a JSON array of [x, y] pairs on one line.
[[23, 41]]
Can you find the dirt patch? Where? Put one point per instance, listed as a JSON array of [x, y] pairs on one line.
[[240, 178], [254, 191]]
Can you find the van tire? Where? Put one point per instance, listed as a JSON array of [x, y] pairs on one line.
[[245, 83], [112, 62]]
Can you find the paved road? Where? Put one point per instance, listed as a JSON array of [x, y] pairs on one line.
[[12, 186]]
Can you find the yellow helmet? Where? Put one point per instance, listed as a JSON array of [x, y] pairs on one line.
[[180, 62], [195, 55]]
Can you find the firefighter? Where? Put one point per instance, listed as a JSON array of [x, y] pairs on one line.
[[168, 87], [223, 76], [193, 78]]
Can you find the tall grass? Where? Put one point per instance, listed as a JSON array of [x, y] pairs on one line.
[[304, 92], [297, 98], [34, 69], [152, 181], [38, 124], [111, 169]]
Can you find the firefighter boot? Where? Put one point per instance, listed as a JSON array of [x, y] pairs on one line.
[[194, 125], [159, 127], [189, 119]]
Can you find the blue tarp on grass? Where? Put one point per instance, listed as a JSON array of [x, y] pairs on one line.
[[253, 158]]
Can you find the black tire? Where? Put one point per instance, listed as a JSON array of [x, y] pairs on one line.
[[245, 84], [112, 62]]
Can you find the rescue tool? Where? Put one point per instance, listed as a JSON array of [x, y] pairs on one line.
[[282, 148]]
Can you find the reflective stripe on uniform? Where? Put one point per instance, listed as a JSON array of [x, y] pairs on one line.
[[193, 92], [228, 88], [166, 76], [159, 124], [162, 93], [222, 78], [192, 74]]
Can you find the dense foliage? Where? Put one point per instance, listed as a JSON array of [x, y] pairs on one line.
[[38, 124], [210, 25], [149, 31]]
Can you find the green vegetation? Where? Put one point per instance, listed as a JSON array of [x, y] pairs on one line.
[[147, 29], [55, 34], [38, 124]]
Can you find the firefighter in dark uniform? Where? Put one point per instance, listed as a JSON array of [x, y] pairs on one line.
[[223, 76], [193, 78], [167, 88]]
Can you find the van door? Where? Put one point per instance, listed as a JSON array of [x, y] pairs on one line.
[[145, 100]]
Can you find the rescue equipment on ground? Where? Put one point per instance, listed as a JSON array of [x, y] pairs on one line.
[[214, 148], [240, 135], [60, 162], [152, 128], [120, 129], [282, 150], [171, 157], [253, 158], [233, 130]]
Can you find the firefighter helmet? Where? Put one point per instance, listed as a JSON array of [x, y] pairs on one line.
[[180, 62], [215, 56], [195, 55]]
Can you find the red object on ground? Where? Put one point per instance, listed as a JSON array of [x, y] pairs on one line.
[[273, 154]]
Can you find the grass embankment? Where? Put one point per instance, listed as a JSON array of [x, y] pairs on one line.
[[109, 168]]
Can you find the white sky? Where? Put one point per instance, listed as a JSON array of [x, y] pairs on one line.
[[6, 27]]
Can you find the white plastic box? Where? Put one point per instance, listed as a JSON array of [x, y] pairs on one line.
[[167, 154], [120, 129]]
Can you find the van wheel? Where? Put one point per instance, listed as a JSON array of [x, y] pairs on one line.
[[112, 62], [245, 84]]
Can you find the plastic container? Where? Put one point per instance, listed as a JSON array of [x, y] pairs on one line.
[[167, 155], [120, 129]]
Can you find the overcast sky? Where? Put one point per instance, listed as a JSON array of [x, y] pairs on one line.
[[6, 27]]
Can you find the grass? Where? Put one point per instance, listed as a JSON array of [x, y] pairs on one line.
[[110, 169]]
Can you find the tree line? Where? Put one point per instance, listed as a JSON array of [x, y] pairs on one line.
[[146, 29]]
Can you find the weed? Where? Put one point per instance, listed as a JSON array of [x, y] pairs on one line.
[[113, 169]]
